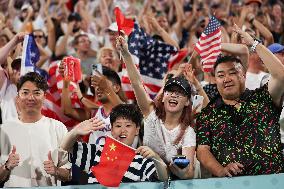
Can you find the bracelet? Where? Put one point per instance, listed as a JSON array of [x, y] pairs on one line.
[[255, 43], [81, 99]]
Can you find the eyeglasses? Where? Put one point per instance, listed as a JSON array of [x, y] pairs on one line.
[[84, 41], [177, 94], [26, 94], [38, 36]]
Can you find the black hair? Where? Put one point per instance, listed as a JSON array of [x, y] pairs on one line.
[[16, 64], [111, 75], [225, 59], [127, 111], [35, 78]]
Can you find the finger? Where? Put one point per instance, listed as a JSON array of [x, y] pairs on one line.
[[98, 127], [148, 155], [13, 149], [227, 173], [235, 166], [233, 170], [239, 165], [49, 156]]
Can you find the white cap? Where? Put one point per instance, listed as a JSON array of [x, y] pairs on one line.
[[113, 27], [25, 6]]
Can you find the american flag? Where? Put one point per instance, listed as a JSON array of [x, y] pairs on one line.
[[30, 55], [209, 44], [153, 58]]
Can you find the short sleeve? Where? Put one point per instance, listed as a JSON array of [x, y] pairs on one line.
[[83, 155], [189, 138]]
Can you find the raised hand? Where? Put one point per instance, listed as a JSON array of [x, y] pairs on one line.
[[121, 44], [49, 166], [61, 68], [246, 38], [13, 159], [189, 74], [99, 80], [87, 126]]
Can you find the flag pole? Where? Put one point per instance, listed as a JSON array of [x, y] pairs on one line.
[[190, 58]]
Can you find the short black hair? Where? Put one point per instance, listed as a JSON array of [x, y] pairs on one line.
[[74, 16], [16, 64], [225, 59], [127, 111], [111, 75], [35, 78]]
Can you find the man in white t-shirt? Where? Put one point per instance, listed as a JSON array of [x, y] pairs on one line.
[[29, 147]]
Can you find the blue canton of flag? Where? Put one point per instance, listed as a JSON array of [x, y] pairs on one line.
[[209, 44], [153, 54], [30, 55], [153, 58], [212, 26]]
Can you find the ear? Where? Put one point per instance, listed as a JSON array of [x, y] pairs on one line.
[[116, 88], [187, 103], [137, 131]]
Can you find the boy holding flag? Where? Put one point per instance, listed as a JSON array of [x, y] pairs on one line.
[[115, 161]]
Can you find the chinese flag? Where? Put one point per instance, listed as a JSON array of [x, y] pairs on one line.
[[123, 23], [115, 160]]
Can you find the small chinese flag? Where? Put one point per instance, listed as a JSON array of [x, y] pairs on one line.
[[123, 23], [115, 160]]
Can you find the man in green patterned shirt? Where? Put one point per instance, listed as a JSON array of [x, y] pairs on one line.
[[238, 132]]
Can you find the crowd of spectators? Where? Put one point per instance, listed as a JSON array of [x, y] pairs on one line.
[[237, 128]]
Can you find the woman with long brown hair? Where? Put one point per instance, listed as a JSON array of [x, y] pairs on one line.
[[168, 121]]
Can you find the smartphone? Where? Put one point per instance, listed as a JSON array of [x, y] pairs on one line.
[[97, 68], [180, 161], [197, 102]]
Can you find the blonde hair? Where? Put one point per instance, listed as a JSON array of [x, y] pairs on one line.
[[102, 50]]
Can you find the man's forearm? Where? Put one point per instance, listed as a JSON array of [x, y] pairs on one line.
[[207, 159], [4, 173]]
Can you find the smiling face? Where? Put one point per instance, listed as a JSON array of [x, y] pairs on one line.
[[230, 80], [30, 99], [124, 130], [175, 99]]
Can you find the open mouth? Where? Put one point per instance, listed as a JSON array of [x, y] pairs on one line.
[[122, 137], [173, 103]]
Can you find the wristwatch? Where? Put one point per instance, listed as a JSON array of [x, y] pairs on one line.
[[255, 43]]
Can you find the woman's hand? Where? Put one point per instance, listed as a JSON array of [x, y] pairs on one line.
[[121, 45], [147, 152], [179, 172]]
